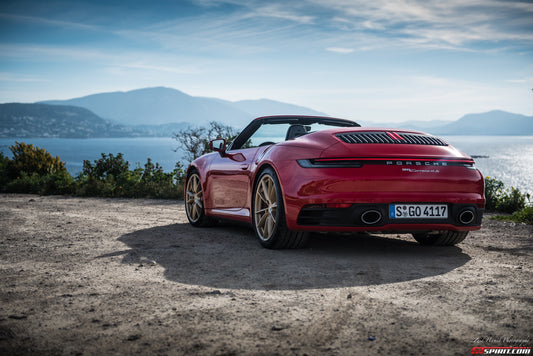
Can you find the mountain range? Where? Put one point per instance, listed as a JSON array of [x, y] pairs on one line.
[[158, 106], [492, 123], [162, 111]]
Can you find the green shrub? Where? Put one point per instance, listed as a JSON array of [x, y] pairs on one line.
[[100, 178], [111, 176], [57, 184], [41, 184], [523, 216], [29, 159], [108, 165], [24, 184], [34, 170], [4, 167], [500, 198]]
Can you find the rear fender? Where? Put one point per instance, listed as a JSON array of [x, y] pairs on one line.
[[280, 159]]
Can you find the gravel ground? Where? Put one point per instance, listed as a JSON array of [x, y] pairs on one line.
[[90, 276]]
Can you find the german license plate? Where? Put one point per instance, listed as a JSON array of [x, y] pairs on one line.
[[418, 211]]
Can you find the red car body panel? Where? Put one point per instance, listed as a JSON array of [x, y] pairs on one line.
[[320, 171]]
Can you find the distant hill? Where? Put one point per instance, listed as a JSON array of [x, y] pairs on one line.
[[495, 123], [492, 123], [157, 106], [41, 120]]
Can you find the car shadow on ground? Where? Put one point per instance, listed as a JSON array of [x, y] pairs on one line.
[[228, 256]]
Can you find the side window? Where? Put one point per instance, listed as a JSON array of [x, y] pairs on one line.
[[268, 134]]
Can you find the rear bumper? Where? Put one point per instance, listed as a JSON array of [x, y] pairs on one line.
[[376, 217]]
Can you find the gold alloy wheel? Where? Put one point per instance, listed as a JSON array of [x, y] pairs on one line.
[[194, 200], [265, 207]]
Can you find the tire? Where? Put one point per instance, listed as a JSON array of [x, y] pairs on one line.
[[194, 202], [443, 238], [268, 215]]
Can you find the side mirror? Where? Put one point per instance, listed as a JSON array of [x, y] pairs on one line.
[[218, 145]]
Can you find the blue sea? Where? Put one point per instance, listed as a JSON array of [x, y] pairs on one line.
[[507, 158]]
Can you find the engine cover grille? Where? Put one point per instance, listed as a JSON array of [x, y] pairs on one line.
[[390, 138]]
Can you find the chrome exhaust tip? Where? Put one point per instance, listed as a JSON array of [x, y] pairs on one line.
[[466, 217], [371, 217]]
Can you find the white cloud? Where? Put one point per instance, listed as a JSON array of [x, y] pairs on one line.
[[340, 50], [371, 25], [281, 12], [457, 23], [520, 80]]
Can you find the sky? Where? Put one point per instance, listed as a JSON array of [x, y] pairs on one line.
[[378, 61]]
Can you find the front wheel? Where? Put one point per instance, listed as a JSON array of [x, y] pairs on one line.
[[442, 238], [269, 215], [194, 202]]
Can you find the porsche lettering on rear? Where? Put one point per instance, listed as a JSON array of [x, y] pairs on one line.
[[290, 175], [417, 163]]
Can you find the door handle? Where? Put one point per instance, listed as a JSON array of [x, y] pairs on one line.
[[244, 166]]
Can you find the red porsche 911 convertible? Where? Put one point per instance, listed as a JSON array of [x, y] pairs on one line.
[[289, 175]]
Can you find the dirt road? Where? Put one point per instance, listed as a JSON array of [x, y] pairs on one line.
[[113, 276]]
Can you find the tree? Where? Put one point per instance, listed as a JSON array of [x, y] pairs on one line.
[[194, 141]]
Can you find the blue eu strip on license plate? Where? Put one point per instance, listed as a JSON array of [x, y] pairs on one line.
[[418, 211]]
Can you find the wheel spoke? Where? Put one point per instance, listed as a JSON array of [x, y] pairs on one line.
[[264, 227], [194, 212], [264, 189], [262, 220], [195, 185], [258, 212], [198, 203], [269, 225], [258, 196], [272, 193]]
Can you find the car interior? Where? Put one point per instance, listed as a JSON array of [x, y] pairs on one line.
[[296, 130]]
